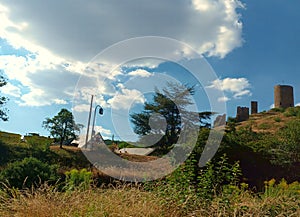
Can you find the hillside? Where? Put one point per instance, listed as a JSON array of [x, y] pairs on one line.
[[271, 121]]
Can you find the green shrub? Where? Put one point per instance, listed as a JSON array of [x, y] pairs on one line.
[[28, 172], [281, 110], [277, 119], [292, 112], [264, 126], [78, 179]]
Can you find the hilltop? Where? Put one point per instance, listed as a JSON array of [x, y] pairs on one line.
[[270, 121]]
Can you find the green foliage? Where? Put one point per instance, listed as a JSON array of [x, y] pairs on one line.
[[78, 179], [291, 140], [292, 112], [3, 100], [62, 126], [189, 185], [38, 142], [277, 119], [10, 138], [281, 110], [216, 175], [264, 126], [28, 172], [170, 103], [231, 125]]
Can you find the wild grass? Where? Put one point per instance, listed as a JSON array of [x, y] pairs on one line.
[[133, 200]]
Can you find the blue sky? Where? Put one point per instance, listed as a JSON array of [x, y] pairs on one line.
[[45, 48]]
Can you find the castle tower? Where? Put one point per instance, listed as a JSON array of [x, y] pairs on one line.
[[254, 107], [242, 114], [283, 96]]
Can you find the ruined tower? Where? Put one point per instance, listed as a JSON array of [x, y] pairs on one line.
[[254, 107], [283, 96], [242, 114]]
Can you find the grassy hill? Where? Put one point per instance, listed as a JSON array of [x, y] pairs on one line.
[[271, 121]]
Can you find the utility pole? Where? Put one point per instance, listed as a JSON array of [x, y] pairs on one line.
[[89, 122]]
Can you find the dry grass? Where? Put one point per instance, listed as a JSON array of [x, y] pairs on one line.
[[121, 201], [266, 122], [134, 201]]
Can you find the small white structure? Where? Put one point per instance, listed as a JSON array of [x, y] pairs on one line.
[[136, 151]]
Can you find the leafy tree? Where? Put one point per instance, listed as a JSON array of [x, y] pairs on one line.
[[169, 106], [62, 126], [3, 100]]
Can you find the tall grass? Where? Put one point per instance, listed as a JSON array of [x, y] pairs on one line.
[[133, 200]]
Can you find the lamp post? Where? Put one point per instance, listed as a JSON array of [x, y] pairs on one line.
[[100, 113]]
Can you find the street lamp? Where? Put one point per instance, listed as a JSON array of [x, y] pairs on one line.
[[89, 120], [100, 113]]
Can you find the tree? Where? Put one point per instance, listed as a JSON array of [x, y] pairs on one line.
[[62, 126], [169, 107], [3, 100]]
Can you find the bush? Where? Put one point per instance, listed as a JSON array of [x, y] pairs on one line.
[[78, 179], [277, 119], [27, 173], [292, 112], [281, 110]]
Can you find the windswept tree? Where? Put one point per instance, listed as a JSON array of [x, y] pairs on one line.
[[62, 126], [169, 108], [3, 100]]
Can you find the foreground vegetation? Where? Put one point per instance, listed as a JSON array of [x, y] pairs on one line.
[[133, 200]]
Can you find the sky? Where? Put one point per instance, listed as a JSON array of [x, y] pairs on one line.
[[56, 54]]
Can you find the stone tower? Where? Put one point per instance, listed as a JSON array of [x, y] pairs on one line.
[[283, 96], [254, 107], [242, 114]]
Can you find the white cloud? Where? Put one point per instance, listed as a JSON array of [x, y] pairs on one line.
[[125, 99], [223, 99], [140, 72], [236, 86], [272, 106], [106, 133], [11, 90], [242, 93], [60, 101]]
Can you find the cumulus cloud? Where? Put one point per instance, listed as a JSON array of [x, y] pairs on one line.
[[238, 87], [61, 37], [140, 72], [106, 133], [223, 99], [11, 90], [126, 98]]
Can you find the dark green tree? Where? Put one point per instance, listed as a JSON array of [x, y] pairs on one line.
[[171, 105], [3, 100], [62, 126]]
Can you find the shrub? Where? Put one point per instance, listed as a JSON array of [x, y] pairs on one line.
[[281, 110], [264, 126], [78, 179], [29, 172], [277, 119], [292, 112]]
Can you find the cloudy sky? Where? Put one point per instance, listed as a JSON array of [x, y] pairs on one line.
[[55, 54]]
